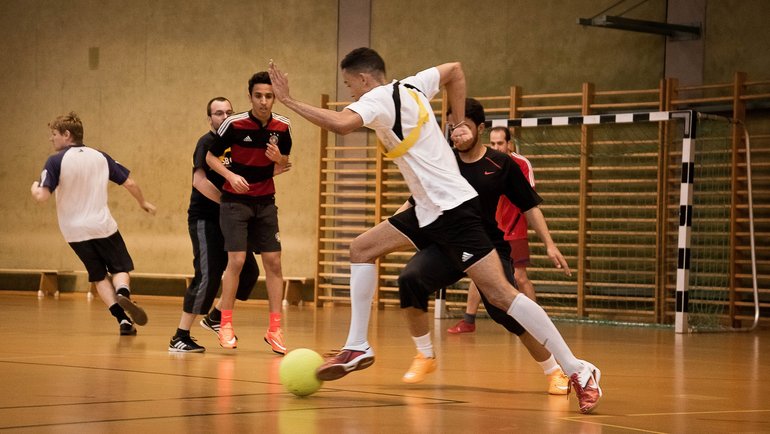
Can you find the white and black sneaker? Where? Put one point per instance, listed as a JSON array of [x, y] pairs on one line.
[[137, 314], [127, 328], [209, 324], [185, 344]]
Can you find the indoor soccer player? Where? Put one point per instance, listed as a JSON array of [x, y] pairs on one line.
[[79, 175], [445, 212]]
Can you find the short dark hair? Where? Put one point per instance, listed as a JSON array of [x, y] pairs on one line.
[[218, 98], [473, 111], [505, 131], [70, 122], [363, 59], [261, 77]]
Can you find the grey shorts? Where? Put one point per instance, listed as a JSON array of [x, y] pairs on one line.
[[250, 226]]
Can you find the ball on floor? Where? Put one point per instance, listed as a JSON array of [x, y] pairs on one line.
[[297, 371]]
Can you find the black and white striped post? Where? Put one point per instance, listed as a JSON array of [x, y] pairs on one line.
[[682, 308]]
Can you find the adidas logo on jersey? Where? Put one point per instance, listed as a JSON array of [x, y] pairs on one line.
[[247, 139], [466, 256]]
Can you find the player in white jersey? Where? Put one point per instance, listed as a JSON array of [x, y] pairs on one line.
[[79, 175], [446, 208]]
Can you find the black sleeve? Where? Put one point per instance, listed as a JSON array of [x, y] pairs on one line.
[[219, 143], [284, 145], [517, 188], [199, 156]]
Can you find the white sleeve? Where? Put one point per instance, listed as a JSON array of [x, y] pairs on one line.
[[427, 81]]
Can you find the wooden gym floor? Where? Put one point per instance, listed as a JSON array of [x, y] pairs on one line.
[[65, 369]]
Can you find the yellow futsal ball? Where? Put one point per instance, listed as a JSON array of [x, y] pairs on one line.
[[297, 371]]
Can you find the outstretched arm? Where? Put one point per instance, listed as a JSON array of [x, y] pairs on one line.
[[135, 191], [343, 122], [537, 222], [41, 194]]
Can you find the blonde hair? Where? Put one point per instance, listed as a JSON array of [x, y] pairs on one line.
[[70, 122]]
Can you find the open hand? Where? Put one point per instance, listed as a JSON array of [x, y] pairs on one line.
[[280, 82]]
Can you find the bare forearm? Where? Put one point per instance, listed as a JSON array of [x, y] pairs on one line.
[[537, 222], [206, 188], [453, 79], [40, 194], [331, 120], [216, 165]]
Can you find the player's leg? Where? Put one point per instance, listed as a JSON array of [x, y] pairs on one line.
[[427, 271], [357, 354], [119, 263], [265, 236], [468, 323], [488, 275], [234, 220], [97, 274]]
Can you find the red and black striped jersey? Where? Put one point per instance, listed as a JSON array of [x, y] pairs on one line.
[[247, 140]]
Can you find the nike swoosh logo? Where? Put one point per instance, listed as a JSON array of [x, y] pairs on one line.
[[488, 173]]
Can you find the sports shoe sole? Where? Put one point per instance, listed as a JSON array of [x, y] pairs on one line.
[[179, 350], [137, 314], [335, 372], [275, 348]]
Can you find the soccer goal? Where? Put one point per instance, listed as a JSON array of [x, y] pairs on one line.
[[641, 204]]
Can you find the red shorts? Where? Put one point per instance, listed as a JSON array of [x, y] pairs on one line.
[[519, 252]]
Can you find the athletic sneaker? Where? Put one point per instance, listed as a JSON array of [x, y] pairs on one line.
[[421, 366], [209, 324], [185, 344], [275, 340], [227, 337], [339, 363], [586, 385], [558, 383], [127, 328], [137, 314], [462, 327]]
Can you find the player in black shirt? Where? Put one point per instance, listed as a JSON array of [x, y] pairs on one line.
[[492, 174]]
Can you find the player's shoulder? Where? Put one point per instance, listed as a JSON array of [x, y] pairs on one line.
[[519, 158], [231, 120], [497, 156], [280, 119]]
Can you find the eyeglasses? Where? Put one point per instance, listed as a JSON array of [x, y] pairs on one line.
[[221, 113]]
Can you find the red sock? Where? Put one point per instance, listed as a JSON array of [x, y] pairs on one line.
[[227, 317], [275, 321]]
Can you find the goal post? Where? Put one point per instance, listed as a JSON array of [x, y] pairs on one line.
[[654, 244]]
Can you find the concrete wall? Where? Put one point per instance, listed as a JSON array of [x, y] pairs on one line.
[[140, 73]]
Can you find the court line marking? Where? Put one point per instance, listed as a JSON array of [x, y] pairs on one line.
[[587, 419]]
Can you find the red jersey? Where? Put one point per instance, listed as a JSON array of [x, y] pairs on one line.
[[509, 218]]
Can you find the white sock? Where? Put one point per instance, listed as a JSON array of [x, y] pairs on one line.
[[363, 282], [534, 319], [549, 366], [424, 345]]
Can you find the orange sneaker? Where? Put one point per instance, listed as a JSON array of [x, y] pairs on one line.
[[586, 385], [227, 337], [421, 366], [275, 340], [558, 383], [462, 327]]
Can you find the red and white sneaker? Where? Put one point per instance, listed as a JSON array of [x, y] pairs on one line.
[[586, 385], [462, 327], [227, 337], [337, 364], [275, 340]]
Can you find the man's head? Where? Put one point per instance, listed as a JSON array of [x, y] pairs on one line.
[[362, 70], [218, 109], [474, 118], [261, 96], [500, 139], [66, 130]]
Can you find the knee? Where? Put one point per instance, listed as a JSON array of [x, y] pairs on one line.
[[272, 263], [235, 262], [360, 251]]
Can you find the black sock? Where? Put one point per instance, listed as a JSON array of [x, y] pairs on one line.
[[182, 333], [215, 315], [119, 313], [124, 291], [470, 319]]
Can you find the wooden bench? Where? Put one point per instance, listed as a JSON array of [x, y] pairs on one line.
[[292, 290], [49, 279]]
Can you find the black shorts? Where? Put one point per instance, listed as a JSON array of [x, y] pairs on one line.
[[250, 226], [458, 232], [103, 255]]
